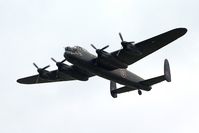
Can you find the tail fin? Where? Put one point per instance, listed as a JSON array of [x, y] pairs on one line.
[[113, 87], [167, 72], [166, 76]]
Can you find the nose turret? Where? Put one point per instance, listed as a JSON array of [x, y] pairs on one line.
[[68, 48], [67, 52]]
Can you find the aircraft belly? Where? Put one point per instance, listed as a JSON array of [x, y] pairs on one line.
[[121, 76]]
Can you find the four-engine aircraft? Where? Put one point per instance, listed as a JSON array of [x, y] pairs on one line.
[[111, 66]]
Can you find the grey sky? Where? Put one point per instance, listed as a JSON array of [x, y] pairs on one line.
[[35, 30]]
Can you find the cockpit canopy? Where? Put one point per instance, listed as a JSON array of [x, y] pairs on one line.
[[75, 50]]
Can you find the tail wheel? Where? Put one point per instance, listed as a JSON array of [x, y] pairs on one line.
[[139, 92]]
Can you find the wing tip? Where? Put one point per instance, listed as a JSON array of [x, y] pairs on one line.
[[181, 31], [20, 81]]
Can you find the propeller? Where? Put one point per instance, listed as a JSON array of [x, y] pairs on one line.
[[99, 51], [58, 63], [121, 37], [40, 70], [125, 44], [128, 46]]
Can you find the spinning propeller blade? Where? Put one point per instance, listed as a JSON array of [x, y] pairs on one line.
[[99, 51], [125, 42], [58, 63], [35, 65], [125, 45], [53, 60], [121, 37], [46, 67], [104, 48], [93, 46], [40, 70], [101, 48]]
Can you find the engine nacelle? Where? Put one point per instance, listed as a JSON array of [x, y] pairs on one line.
[[75, 73], [109, 61], [132, 49], [44, 74]]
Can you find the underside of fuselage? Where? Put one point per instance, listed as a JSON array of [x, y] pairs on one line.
[[86, 61]]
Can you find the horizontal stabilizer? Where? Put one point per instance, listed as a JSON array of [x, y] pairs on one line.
[[114, 90], [152, 81], [124, 89], [166, 76]]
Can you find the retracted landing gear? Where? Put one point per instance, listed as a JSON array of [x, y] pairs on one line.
[[139, 92]]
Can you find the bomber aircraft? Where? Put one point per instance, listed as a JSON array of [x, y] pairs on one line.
[[111, 66]]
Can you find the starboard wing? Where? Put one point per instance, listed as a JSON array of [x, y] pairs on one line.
[[149, 46]]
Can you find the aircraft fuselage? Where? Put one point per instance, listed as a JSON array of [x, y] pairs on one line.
[[85, 60]]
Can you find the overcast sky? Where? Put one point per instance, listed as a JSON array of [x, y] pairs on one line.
[[35, 30]]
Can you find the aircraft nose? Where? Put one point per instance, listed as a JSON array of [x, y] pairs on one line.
[[66, 54], [67, 48]]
